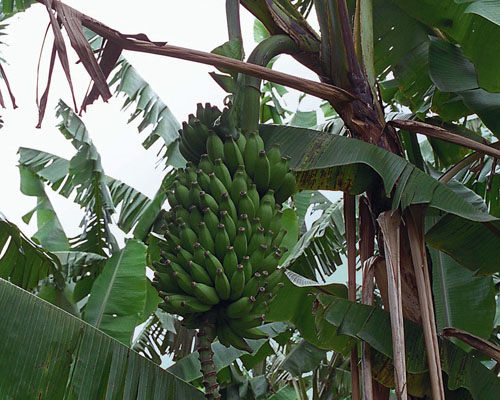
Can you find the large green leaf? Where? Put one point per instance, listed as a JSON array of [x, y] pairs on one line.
[[472, 244], [118, 295], [11, 7], [452, 72], [322, 153], [372, 325], [319, 249], [462, 300], [151, 108], [50, 232], [23, 262], [475, 34], [79, 361], [188, 368], [304, 357]]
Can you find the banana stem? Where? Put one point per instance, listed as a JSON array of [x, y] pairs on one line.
[[206, 335]]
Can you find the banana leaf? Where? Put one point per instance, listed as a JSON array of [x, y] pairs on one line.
[[22, 261], [372, 325], [118, 296], [48, 353]]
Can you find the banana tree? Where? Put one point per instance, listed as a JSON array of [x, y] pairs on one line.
[[442, 192]]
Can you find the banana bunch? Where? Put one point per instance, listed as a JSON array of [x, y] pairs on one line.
[[223, 236]]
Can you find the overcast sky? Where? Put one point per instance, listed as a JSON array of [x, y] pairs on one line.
[[197, 24]]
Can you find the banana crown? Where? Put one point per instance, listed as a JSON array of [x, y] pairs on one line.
[[223, 234]]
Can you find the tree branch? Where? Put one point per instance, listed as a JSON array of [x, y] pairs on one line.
[[443, 134], [339, 98]]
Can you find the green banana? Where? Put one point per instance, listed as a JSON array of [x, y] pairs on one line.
[[286, 189], [251, 321], [212, 264], [244, 222], [204, 293], [221, 241], [251, 153], [262, 173], [172, 200], [198, 273], [205, 164], [217, 188], [241, 142], [215, 147], [254, 195], [239, 185], [228, 224], [221, 171], [252, 286], [274, 155], [228, 205], [187, 303], [199, 253], [182, 255], [247, 267], [254, 333], [237, 283], [211, 220], [257, 256], [257, 240], [222, 285], [188, 237], [240, 243], [265, 213], [194, 217], [246, 205], [240, 307], [232, 154], [205, 237], [182, 194], [230, 262], [278, 172], [194, 193], [203, 179], [235, 340], [183, 280], [208, 201], [275, 224]]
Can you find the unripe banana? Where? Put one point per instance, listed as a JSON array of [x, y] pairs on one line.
[[241, 142], [205, 164], [257, 240], [269, 196], [230, 262], [211, 220], [247, 267], [199, 253], [187, 303], [240, 307], [198, 273], [262, 173], [221, 241], [232, 154], [183, 280], [222, 285], [286, 189], [182, 194], [244, 222], [205, 237], [240, 243], [247, 322], [217, 188], [275, 225], [222, 173], [239, 185], [228, 205], [165, 283], [194, 193], [254, 195], [274, 155], [245, 205], [182, 255], [265, 213], [252, 286], [237, 283], [212, 264], [203, 180], [188, 237], [208, 201], [171, 237], [254, 333], [194, 217], [215, 147], [206, 294], [229, 225], [251, 153], [278, 172], [172, 200], [258, 256], [235, 339]]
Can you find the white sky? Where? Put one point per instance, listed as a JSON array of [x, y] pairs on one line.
[[197, 24]]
